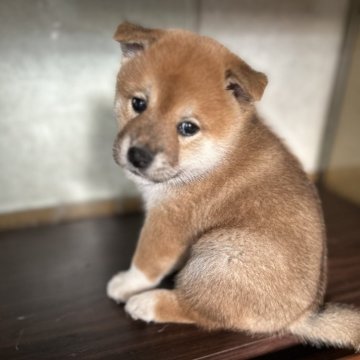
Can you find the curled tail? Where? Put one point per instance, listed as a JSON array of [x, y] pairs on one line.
[[336, 324]]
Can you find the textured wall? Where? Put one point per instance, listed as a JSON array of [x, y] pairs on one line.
[[57, 72], [343, 174]]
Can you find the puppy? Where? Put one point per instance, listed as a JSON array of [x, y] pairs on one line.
[[226, 201]]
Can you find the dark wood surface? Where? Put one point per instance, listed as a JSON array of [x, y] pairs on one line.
[[53, 303]]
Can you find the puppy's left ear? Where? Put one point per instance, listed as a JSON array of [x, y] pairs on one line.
[[245, 83], [134, 39]]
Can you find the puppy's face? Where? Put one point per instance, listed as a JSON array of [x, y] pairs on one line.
[[181, 100]]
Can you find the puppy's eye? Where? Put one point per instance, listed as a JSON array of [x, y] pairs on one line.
[[139, 105], [187, 128]]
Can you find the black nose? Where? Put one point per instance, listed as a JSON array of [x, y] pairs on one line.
[[140, 157]]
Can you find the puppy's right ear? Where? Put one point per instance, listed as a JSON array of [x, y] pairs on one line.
[[134, 39]]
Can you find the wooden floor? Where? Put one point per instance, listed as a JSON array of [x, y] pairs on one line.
[[53, 303]]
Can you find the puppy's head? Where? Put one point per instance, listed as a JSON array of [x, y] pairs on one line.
[[181, 101]]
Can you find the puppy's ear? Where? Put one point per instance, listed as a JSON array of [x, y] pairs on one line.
[[134, 38], [245, 83]]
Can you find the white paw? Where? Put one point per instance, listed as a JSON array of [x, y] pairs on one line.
[[142, 306], [127, 283], [117, 288]]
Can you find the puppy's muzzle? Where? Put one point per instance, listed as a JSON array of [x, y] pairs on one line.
[[140, 157]]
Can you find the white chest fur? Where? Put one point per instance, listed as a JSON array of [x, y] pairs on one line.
[[154, 194]]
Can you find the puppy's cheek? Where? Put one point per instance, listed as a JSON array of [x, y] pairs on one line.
[[123, 112], [119, 112], [201, 156], [189, 155], [120, 150], [117, 106]]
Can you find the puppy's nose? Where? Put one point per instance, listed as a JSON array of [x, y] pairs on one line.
[[140, 157]]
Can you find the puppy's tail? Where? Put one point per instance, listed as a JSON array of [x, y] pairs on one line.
[[335, 324]]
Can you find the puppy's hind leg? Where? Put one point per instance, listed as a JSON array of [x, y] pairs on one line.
[[160, 306]]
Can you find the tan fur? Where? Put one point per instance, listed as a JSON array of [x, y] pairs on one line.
[[230, 200]]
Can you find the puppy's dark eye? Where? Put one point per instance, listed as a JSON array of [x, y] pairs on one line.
[[187, 128], [138, 104]]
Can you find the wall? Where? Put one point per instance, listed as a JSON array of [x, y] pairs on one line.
[[343, 173], [57, 72]]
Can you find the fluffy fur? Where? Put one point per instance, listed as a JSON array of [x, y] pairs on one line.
[[230, 205]]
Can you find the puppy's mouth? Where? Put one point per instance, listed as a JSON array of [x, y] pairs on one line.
[[154, 176]]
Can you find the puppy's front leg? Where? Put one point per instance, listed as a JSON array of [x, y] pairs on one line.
[[161, 246]]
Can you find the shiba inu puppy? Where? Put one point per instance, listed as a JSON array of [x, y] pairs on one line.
[[226, 202]]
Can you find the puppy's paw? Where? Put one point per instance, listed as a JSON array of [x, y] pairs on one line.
[[142, 306], [118, 287], [127, 283]]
